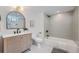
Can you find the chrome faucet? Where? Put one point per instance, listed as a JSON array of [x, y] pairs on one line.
[[17, 30]]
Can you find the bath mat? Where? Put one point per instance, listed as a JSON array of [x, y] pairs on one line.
[[58, 50]]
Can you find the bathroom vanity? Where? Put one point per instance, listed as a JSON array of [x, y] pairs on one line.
[[15, 43]]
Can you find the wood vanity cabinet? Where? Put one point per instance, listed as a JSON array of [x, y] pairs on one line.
[[17, 44]]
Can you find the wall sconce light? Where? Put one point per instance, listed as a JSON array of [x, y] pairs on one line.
[[18, 8]]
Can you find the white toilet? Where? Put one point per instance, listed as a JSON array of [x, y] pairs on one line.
[[37, 40]]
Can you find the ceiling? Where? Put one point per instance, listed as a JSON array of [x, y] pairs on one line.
[[50, 10]]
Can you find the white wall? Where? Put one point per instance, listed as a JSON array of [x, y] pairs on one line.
[[61, 25], [36, 17], [76, 25], [38, 24], [4, 10]]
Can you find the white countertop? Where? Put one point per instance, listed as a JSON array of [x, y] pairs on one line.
[[10, 35]]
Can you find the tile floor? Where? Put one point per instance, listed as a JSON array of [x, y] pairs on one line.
[[43, 48]]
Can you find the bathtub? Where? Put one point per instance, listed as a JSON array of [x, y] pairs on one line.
[[61, 43]]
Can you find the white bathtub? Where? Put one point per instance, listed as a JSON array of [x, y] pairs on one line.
[[65, 44]]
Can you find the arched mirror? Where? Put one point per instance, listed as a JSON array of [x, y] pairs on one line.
[[14, 20]]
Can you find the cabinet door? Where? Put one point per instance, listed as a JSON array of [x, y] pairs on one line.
[[10, 45], [25, 42], [29, 39], [18, 43]]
